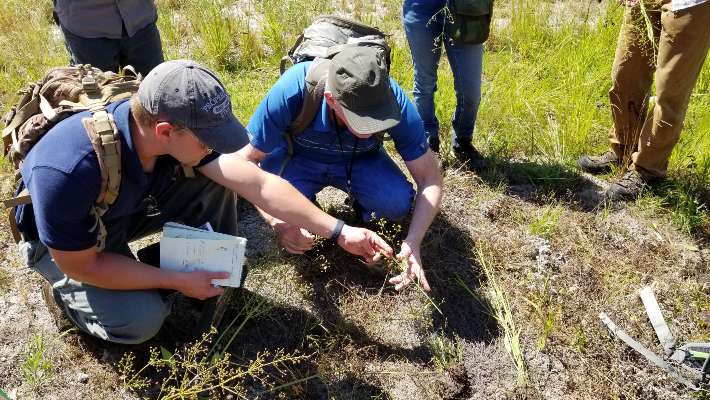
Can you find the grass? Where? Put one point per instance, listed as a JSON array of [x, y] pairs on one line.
[[544, 103], [545, 221], [503, 313], [37, 368], [446, 352], [546, 312]]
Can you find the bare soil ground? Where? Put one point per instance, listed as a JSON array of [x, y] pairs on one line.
[[363, 340]]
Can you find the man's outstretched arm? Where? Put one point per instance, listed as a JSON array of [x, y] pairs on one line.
[[279, 198], [115, 271], [425, 171]]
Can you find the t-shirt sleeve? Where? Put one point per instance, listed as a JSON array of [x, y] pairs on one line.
[[408, 136], [278, 109], [62, 208]]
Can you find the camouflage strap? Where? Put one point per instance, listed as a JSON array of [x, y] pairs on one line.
[[649, 355], [30, 101], [22, 198], [106, 142]]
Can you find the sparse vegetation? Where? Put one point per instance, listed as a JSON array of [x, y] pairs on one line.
[[5, 280], [326, 327], [447, 352], [544, 222], [193, 373]]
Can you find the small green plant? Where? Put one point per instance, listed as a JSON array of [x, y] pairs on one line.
[[318, 253], [504, 315], [545, 222], [37, 369], [546, 312], [446, 352], [579, 341], [391, 233]]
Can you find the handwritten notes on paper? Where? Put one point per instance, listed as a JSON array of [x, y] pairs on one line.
[[184, 248]]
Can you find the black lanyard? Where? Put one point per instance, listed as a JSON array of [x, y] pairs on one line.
[[349, 167]]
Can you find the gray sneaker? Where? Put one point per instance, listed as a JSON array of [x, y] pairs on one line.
[[628, 187], [599, 164]]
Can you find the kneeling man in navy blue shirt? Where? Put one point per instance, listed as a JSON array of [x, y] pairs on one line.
[[180, 115]]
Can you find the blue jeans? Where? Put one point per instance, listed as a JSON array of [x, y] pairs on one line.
[[377, 184], [143, 50], [423, 25]]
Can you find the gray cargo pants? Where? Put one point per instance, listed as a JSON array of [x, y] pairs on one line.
[[134, 316]]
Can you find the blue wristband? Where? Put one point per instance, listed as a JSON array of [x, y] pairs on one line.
[[336, 231]]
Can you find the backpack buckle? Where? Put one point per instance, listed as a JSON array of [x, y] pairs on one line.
[[88, 83]]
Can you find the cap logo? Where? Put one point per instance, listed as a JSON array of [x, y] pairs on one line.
[[218, 104]]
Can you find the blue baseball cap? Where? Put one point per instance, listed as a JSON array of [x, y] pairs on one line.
[[188, 94]]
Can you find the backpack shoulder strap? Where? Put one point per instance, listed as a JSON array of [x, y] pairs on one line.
[[313, 97], [105, 140], [312, 100]]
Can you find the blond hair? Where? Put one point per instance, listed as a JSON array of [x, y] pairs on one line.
[[141, 115]]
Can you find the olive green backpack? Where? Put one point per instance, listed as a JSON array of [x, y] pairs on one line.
[[470, 21]]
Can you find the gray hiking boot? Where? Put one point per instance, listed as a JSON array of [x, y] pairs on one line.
[[53, 302], [629, 187], [599, 164]]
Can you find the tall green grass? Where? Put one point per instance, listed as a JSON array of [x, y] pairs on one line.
[[28, 45]]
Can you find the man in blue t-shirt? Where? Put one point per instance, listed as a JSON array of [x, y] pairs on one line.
[[339, 148], [181, 115]]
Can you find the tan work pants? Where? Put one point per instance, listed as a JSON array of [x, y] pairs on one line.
[[681, 44]]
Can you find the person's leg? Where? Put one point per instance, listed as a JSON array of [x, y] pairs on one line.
[[121, 316], [143, 50], [682, 49], [379, 186], [422, 32], [307, 176], [632, 74], [100, 52], [467, 66]]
